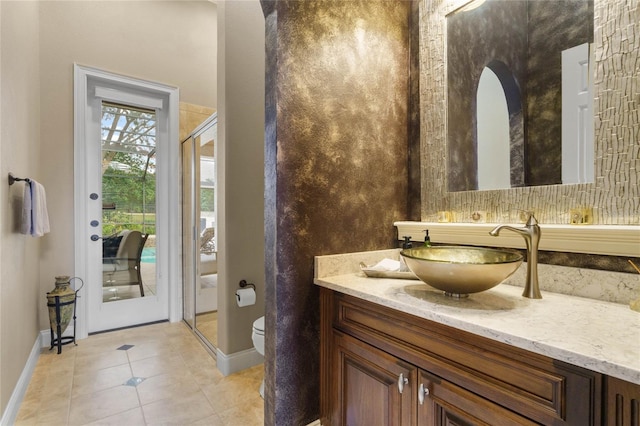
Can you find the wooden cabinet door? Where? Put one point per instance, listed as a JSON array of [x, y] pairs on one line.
[[370, 387], [442, 403], [623, 403]]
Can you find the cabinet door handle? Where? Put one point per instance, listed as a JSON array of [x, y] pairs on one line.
[[422, 392], [401, 382]]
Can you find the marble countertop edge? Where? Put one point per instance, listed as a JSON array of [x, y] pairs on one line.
[[582, 332]]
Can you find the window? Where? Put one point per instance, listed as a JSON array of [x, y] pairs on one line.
[[128, 168]]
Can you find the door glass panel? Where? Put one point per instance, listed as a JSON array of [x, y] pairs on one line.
[[207, 279], [128, 137]]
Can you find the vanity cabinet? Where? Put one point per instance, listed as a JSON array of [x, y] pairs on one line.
[[381, 366], [622, 403], [441, 403], [375, 387]]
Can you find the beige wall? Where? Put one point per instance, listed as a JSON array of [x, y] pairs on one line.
[[139, 39], [171, 42], [241, 172], [20, 292]]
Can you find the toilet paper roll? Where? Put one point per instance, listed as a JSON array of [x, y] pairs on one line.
[[245, 297]]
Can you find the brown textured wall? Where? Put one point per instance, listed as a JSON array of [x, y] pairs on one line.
[[336, 167], [270, 209]]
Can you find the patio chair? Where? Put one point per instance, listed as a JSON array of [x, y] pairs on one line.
[[207, 242], [208, 255], [124, 267]]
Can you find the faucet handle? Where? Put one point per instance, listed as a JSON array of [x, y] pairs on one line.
[[531, 219]]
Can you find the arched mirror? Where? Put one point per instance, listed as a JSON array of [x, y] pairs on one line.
[[499, 129]]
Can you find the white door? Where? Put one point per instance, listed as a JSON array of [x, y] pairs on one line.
[[577, 116], [123, 204]]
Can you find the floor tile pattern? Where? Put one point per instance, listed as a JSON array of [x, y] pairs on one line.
[[165, 378], [207, 324]]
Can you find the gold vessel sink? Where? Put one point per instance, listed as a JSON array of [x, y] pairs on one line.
[[460, 270]]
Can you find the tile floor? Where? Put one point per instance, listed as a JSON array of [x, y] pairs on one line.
[[166, 377], [207, 324]]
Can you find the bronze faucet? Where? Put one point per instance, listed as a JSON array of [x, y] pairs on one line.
[[531, 234]]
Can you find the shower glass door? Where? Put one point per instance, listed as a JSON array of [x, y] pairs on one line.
[[200, 285]]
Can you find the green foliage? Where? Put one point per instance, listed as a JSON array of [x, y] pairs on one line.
[[129, 187], [207, 199], [114, 221], [128, 179]]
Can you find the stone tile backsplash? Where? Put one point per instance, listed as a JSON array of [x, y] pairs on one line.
[[616, 287]]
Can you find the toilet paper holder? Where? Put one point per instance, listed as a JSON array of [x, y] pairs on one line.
[[244, 283]]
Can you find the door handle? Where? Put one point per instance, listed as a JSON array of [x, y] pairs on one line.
[[95, 237], [401, 382], [422, 393]]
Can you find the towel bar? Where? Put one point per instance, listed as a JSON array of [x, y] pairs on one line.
[[13, 179]]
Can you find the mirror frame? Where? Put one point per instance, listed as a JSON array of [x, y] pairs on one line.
[[615, 195]]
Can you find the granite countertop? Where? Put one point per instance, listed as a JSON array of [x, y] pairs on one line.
[[600, 336]]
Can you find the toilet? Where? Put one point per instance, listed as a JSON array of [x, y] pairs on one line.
[[257, 335]]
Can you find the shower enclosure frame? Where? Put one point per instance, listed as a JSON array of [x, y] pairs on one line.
[[198, 299]]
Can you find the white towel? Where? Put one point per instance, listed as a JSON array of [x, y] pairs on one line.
[[26, 209], [35, 217]]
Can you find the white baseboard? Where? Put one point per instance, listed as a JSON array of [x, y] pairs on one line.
[[316, 423], [45, 336], [228, 364], [11, 412]]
